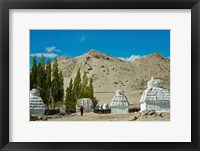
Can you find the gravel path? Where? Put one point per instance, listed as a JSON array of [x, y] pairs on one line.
[[115, 117]]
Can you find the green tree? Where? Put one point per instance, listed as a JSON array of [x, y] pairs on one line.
[[41, 79], [77, 85], [57, 83], [84, 86], [61, 88], [90, 92], [33, 74], [48, 82], [79, 89], [69, 99]]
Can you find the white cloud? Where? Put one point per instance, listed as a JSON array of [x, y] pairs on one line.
[[131, 58], [51, 49], [47, 55]]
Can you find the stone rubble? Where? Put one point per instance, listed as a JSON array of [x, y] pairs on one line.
[[145, 114]]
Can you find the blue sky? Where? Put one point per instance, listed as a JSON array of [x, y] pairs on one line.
[[126, 44]]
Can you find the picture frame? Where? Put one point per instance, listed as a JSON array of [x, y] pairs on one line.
[[6, 5]]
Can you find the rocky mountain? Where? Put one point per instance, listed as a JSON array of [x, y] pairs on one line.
[[110, 73]]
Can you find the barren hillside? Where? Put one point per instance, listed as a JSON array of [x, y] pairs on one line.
[[110, 74]]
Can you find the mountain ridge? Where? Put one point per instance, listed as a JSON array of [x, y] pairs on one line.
[[111, 73]]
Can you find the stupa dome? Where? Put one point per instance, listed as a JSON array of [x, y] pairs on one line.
[[119, 92], [86, 103], [119, 103], [105, 106], [35, 92], [155, 97], [155, 82], [37, 107]]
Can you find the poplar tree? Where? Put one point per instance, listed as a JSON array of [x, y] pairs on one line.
[[48, 82], [61, 87], [69, 99], [77, 85], [41, 79], [79, 89], [55, 81], [84, 85], [90, 90], [33, 74]]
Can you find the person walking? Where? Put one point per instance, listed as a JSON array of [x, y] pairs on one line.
[[81, 110]]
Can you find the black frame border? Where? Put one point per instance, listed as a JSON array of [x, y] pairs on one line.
[[5, 5]]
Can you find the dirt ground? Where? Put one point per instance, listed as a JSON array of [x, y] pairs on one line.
[[136, 116]]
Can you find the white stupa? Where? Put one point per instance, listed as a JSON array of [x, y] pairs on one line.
[[37, 107], [105, 106], [87, 105], [119, 103], [155, 97]]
